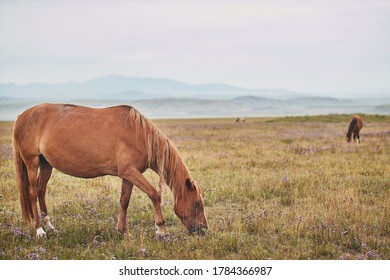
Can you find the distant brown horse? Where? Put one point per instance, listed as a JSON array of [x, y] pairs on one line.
[[86, 142], [354, 128]]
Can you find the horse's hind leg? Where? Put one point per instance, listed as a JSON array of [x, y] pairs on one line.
[[127, 188], [32, 171], [45, 170]]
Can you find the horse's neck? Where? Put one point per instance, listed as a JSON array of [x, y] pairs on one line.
[[164, 159], [174, 172], [351, 126]]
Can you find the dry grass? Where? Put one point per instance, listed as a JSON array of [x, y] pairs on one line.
[[288, 188]]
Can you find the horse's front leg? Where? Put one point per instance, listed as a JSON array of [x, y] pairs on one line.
[[127, 189], [134, 176]]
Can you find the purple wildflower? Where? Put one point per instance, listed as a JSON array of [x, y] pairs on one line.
[[359, 257], [166, 238], [250, 218], [89, 201], [18, 232], [142, 251], [33, 256], [371, 254]]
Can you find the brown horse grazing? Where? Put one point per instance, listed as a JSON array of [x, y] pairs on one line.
[[354, 128], [86, 142]]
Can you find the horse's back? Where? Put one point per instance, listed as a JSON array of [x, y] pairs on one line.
[[77, 139], [358, 122], [44, 114], [68, 114]]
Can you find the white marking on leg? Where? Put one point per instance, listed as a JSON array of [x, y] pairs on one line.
[[40, 233], [161, 232], [47, 223]]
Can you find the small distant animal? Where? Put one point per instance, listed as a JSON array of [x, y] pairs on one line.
[[354, 128], [240, 120]]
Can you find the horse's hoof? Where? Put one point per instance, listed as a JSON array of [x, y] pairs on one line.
[[41, 233], [161, 235], [48, 224], [124, 233], [122, 230], [51, 228]]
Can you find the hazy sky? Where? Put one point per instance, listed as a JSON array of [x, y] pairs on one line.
[[322, 46]]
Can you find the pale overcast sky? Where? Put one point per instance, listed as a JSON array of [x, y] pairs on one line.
[[321, 46]]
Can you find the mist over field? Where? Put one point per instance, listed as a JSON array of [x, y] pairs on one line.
[[165, 98]]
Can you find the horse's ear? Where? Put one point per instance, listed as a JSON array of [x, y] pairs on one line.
[[190, 186]]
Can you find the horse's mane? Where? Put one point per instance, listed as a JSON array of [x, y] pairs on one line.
[[162, 155], [351, 126]]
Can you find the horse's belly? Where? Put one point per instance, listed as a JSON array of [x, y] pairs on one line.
[[84, 171], [81, 161]]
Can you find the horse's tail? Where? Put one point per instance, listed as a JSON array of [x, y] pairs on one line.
[[352, 125], [23, 183]]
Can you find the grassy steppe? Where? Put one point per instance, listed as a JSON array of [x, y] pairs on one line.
[[274, 188]]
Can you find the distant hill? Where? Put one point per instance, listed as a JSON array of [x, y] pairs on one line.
[[164, 98], [131, 88], [383, 109], [244, 106]]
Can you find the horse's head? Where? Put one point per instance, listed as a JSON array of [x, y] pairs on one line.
[[190, 208], [348, 137]]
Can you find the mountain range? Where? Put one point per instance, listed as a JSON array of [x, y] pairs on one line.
[[165, 98]]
